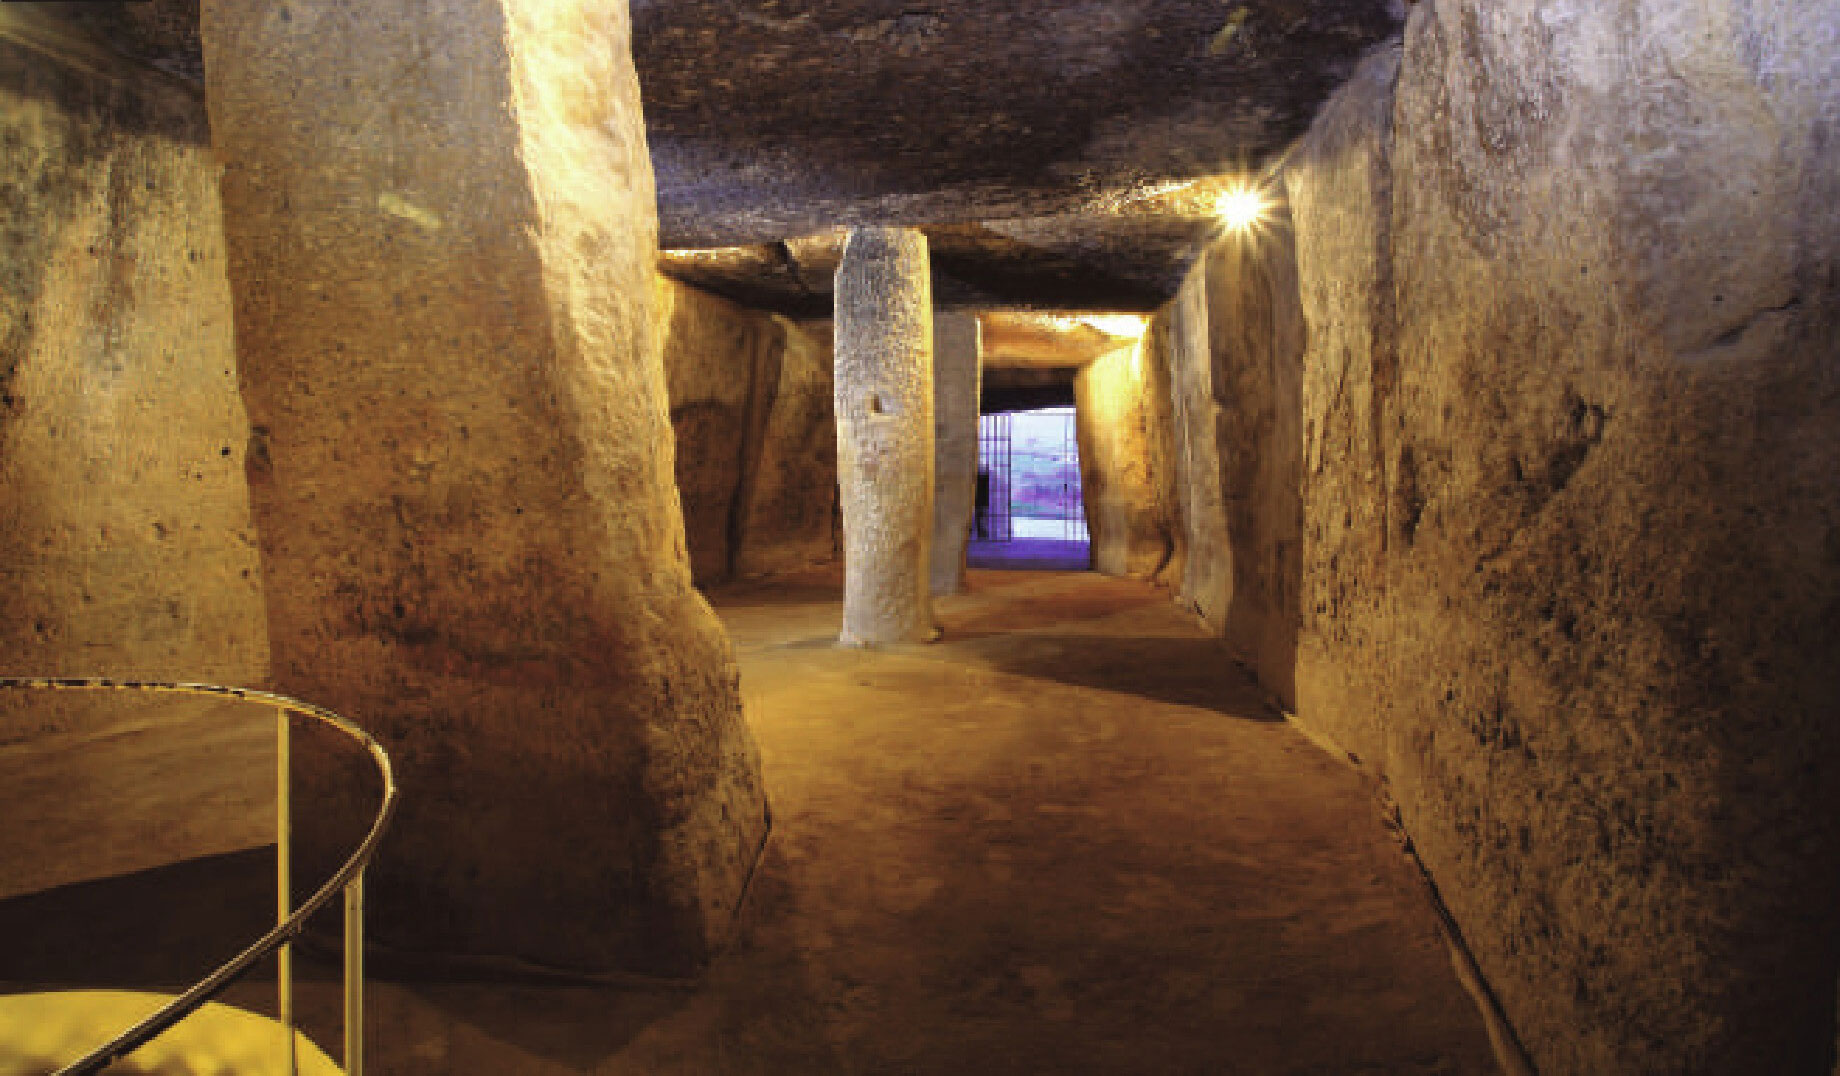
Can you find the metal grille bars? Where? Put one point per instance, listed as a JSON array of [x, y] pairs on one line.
[[291, 922]]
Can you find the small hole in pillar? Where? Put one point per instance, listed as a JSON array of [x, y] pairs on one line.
[[875, 404]]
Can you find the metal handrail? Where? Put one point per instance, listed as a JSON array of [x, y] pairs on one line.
[[349, 877]]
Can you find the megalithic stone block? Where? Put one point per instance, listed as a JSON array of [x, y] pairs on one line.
[[957, 369], [440, 223], [884, 387]]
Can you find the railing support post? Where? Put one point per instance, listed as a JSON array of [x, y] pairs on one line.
[[284, 886], [354, 976]]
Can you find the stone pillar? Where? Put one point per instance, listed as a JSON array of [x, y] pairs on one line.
[[885, 435], [1207, 578], [957, 376], [440, 224]]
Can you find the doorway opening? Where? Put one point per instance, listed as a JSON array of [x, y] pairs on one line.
[[1030, 511]]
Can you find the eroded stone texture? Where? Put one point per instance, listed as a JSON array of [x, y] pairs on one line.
[[441, 260], [721, 365], [957, 375], [771, 120], [790, 514], [126, 547], [1571, 521], [885, 435], [1164, 449], [1130, 524], [1207, 577], [1340, 193], [1256, 334]]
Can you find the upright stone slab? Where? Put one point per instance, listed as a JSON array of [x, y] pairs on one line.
[[441, 230], [126, 547], [957, 372], [1207, 577], [1129, 521], [885, 435]]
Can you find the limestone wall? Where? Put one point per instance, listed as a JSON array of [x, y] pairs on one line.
[[790, 516], [1181, 337], [1571, 559], [1256, 341], [1131, 522], [448, 341], [957, 379], [721, 366], [126, 546], [1163, 446], [751, 412]]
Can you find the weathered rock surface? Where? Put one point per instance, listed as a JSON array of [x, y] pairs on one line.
[[1571, 570], [1131, 525], [1256, 344], [769, 121], [721, 367], [885, 435], [957, 376], [126, 547], [1164, 465], [1340, 193], [1055, 340], [1182, 342], [463, 476], [790, 514]]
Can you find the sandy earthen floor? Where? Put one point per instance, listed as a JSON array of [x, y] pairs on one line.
[[1068, 839]]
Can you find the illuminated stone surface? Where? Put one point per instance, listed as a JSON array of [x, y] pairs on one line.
[[719, 361], [1570, 561], [1131, 524], [957, 374], [126, 546], [1257, 337], [463, 473], [790, 513], [1207, 572], [885, 435]]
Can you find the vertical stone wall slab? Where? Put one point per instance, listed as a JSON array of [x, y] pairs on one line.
[[1572, 417], [1164, 448], [885, 435], [1207, 577], [1256, 340], [789, 517], [712, 351], [126, 545], [957, 380], [1116, 416], [1339, 187], [441, 236]]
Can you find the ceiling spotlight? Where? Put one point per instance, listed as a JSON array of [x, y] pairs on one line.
[[1240, 208]]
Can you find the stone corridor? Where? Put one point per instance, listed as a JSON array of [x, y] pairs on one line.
[[1070, 837]]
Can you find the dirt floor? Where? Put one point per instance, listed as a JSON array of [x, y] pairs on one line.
[[1069, 838]]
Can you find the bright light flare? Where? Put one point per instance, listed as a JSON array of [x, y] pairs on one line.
[[1241, 208], [1127, 326]]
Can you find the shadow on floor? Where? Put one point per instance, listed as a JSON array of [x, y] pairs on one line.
[[154, 929], [1185, 672]]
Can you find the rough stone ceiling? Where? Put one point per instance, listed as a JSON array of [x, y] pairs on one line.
[[1044, 144], [1061, 154]]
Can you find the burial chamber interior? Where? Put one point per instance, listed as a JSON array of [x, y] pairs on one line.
[[482, 374]]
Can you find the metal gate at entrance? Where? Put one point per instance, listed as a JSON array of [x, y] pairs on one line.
[[1029, 477], [991, 518]]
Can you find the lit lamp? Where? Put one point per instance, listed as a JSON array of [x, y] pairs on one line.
[[1241, 208]]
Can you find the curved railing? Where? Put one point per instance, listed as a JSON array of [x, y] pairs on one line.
[[291, 921]]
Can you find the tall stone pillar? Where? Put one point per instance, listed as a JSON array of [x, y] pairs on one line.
[[441, 231], [957, 374], [885, 435]]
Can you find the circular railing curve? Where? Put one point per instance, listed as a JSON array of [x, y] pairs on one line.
[[291, 921]]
